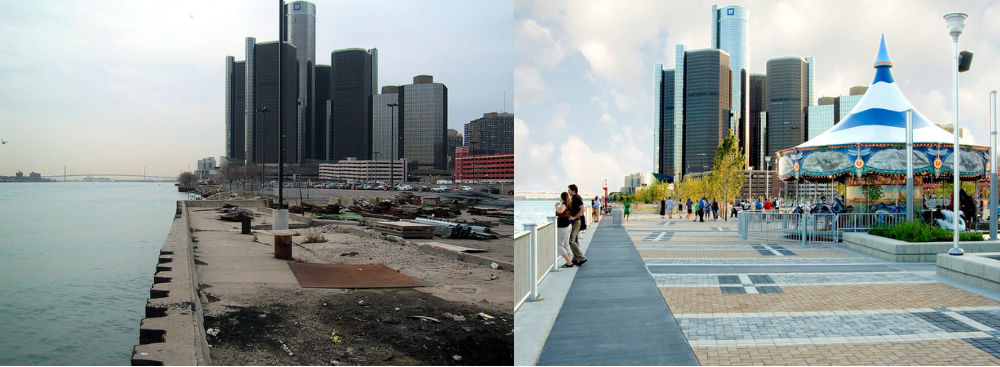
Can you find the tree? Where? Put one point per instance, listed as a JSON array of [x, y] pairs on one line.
[[872, 193], [186, 178], [727, 176]]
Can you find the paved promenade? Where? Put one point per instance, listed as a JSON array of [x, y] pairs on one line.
[[725, 301]]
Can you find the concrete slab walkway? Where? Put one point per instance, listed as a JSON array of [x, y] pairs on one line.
[[613, 313]]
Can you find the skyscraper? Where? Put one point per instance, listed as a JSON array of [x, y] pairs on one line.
[[262, 129], [758, 120], [706, 105], [787, 100], [300, 21], [235, 108], [493, 134], [320, 127], [663, 120], [731, 33], [691, 111], [384, 135], [423, 111], [454, 141], [350, 93]]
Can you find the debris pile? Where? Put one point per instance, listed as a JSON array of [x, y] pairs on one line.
[[234, 213], [458, 230]]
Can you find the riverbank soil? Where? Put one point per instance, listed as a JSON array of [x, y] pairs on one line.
[[257, 314]]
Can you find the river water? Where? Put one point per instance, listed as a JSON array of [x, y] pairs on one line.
[[532, 211], [76, 264]]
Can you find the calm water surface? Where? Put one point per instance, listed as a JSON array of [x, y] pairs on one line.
[[532, 211], [76, 264]]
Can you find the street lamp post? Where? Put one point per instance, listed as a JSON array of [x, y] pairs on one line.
[[993, 165], [956, 24], [395, 140], [263, 116], [767, 178]]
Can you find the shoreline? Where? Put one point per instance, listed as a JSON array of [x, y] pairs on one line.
[[191, 296]]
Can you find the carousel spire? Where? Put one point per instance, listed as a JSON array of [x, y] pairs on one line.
[[883, 55]]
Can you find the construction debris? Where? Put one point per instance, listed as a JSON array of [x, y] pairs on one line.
[[457, 230]]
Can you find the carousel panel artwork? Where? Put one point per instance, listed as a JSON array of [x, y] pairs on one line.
[[829, 162], [892, 161]]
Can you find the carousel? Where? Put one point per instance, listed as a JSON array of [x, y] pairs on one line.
[[868, 148]]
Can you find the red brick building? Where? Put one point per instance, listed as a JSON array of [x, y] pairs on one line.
[[488, 168]]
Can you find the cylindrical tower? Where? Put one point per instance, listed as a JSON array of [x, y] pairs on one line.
[[731, 33], [300, 23], [248, 110]]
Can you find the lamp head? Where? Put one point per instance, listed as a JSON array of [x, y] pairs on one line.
[[956, 23]]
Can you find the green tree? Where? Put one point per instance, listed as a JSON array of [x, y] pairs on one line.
[[727, 177], [872, 193]]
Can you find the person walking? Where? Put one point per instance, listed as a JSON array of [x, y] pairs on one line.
[[597, 209], [576, 210], [563, 229], [715, 210], [663, 208], [628, 206], [689, 207], [670, 208], [768, 206]]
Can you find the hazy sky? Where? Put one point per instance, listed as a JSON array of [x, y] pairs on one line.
[[584, 73], [112, 86]]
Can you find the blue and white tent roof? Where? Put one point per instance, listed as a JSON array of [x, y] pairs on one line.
[[880, 116]]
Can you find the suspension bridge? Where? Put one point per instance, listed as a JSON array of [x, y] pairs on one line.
[[140, 176]]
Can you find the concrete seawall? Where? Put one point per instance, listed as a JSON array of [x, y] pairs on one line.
[[172, 332]]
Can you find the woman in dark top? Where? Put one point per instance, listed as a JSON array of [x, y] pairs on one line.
[[563, 229], [663, 208]]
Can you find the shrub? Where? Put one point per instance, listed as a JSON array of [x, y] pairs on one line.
[[313, 235], [916, 231]]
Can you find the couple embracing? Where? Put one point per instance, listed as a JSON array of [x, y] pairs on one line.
[[569, 220]]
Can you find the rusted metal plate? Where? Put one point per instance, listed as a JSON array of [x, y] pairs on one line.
[[349, 276]]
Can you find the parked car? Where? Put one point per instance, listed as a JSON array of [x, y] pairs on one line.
[[490, 190], [404, 188], [465, 188], [440, 189]]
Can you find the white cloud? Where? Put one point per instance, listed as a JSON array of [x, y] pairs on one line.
[[535, 42], [559, 115], [533, 170], [529, 87]]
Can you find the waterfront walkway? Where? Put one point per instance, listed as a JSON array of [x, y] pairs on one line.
[[675, 292]]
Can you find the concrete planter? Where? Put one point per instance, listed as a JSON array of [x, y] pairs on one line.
[[980, 270], [901, 251]]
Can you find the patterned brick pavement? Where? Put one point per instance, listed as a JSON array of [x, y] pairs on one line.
[[821, 315]]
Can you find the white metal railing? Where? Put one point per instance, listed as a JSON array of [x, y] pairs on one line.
[[534, 257], [808, 227]]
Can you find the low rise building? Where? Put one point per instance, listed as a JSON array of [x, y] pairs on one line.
[[353, 170], [489, 168]]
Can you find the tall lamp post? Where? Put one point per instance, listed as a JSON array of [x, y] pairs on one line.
[[263, 115], [395, 140], [767, 177], [956, 24]]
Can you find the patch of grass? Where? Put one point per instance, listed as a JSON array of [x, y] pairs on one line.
[[916, 231]]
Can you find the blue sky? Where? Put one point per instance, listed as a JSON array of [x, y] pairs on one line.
[[112, 86], [584, 72]]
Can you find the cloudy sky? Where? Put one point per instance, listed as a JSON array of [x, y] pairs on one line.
[[584, 73], [113, 86]]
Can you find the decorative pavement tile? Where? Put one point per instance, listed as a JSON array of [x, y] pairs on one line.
[[791, 261]]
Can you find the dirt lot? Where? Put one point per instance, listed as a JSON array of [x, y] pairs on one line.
[[321, 327], [253, 318]]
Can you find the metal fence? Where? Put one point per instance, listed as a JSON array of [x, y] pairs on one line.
[[534, 257], [806, 227]]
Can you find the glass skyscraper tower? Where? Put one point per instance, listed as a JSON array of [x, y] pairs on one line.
[[300, 20], [731, 33]]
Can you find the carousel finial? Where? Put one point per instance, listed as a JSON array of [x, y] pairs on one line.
[[883, 55]]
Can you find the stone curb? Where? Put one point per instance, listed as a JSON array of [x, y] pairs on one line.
[[173, 333]]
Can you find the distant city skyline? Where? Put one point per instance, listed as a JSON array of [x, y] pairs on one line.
[[585, 84], [111, 87]]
